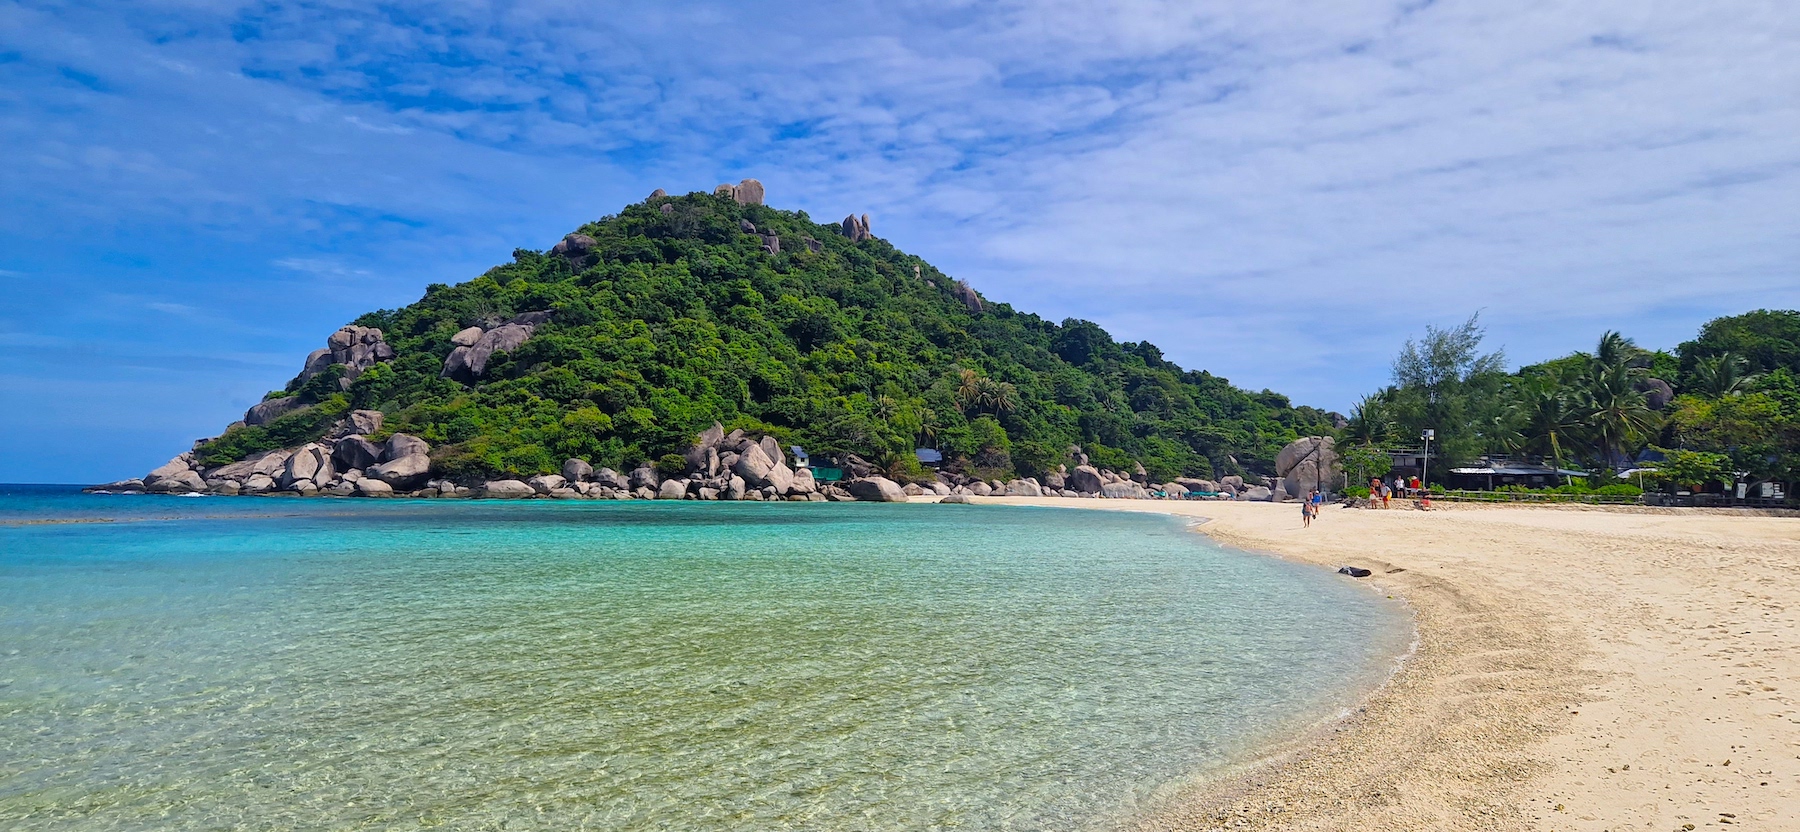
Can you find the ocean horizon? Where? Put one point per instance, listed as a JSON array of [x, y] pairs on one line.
[[222, 663]]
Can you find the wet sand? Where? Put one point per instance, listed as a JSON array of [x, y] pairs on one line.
[[1577, 669]]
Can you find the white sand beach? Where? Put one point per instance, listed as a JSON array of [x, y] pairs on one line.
[[1577, 669]]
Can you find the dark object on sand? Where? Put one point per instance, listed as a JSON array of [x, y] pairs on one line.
[[1354, 571]]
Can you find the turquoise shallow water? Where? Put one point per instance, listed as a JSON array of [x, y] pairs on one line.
[[236, 663]]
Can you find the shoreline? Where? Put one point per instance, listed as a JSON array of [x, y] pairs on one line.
[[1572, 670]]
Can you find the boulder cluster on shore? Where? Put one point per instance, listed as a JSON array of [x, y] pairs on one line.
[[718, 466]]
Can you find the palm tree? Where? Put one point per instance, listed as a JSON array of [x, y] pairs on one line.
[[1371, 422], [968, 389], [1543, 416], [1614, 409], [884, 407], [1615, 350], [1005, 397], [928, 423], [1723, 375]]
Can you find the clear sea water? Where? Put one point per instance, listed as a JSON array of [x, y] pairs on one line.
[[257, 663]]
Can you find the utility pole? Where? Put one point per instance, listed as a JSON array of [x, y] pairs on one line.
[[1425, 465]]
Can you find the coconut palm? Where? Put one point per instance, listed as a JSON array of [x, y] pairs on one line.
[[1543, 416], [968, 389], [1722, 375], [1615, 411], [1371, 422]]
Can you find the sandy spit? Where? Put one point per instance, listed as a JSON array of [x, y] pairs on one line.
[[1579, 670]]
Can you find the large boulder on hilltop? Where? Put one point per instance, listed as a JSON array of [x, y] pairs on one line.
[[467, 337], [577, 470], [748, 192], [856, 229], [408, 471], [356, 347], [354, 452], [271, 409], [578, 249], [401, 445], [1085, 479], [876, 490]]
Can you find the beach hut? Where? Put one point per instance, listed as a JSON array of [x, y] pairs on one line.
[[928, 457], [1489, 473]]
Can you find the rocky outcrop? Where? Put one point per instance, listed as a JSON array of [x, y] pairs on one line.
[[657, 194], [271, 409], [356, 347], [371, 487], [746, 192], [546, 483], [967, 295], [643, 476], [358, 423], [468, 363], [1256, 492], [856, 229], [466, 337], [309, 466], [759, 471], [1124, 490], [812, 245], [876, 490], [578, 249], [672, 490]]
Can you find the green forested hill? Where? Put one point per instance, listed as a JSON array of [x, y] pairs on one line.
[[677, 314]]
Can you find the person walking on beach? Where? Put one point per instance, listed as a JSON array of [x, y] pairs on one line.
[[1387, 494], [1317, 500], [1306, 513]]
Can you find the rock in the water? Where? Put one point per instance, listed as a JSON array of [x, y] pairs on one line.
[[355, 452], [577, 470], [178, 482], [510, 489], [371, 487], [405, 472], [546, 483], [1085, 479], [467, 337], [876, 490], [672, 489], [748, 192]]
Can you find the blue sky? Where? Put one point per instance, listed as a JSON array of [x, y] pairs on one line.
[[197, 192]]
